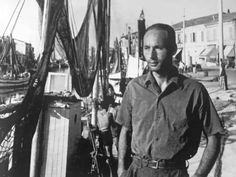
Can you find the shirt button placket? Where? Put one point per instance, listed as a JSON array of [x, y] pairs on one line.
[[156, 116]]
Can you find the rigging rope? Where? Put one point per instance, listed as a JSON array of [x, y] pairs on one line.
[[11, 18], [17, 16]]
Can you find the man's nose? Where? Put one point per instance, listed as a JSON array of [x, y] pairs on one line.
[[153, 53]]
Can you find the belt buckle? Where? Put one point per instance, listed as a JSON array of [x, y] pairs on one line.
[[157, 164]]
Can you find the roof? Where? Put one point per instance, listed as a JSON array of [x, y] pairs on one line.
[[229, 51], [206, 20], [210, 51]]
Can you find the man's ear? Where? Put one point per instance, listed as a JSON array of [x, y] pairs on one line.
[[174, 49]]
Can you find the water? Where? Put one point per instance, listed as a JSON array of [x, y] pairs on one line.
[[16, 95], [12, 96]]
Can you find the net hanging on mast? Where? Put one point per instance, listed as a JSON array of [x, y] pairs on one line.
[[86, 50]]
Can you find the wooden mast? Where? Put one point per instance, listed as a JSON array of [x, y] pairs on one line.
[[97, 85], [184, 51], [11, 56], [107, 45]]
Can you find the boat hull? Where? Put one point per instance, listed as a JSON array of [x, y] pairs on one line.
[[9, 83]]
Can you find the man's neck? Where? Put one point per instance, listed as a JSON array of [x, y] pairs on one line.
[[162, 80]]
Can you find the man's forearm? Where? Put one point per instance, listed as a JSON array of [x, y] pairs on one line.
[[122, 150], [209, 156]]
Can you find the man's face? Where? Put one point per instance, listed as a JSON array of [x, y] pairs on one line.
[[155, 50]]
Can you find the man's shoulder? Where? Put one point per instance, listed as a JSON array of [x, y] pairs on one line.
[[190, 83], [138, 80]]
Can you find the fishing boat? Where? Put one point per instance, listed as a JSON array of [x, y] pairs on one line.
[[13, 72], [14, 83], [13, 75]]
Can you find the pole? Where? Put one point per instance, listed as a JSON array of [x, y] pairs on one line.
[[221, 35], [11, 56], [184, 51], [222, 72], [141, 31], [108, 12], [95, 99], [129, 41]]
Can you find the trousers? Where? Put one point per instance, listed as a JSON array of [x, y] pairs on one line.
[[135, 170]]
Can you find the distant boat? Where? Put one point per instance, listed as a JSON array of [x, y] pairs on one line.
[[14, 83], [4, 92], [13, 75]]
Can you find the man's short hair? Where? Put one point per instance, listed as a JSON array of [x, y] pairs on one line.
[[171, 42]]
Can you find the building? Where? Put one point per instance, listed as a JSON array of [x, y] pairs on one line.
[[202, 36], [23, 53]]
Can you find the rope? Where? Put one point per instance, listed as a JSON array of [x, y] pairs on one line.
[[17, 16], [11, 18]]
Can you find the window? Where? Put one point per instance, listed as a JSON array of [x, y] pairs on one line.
[[202, 36], [179, 41], [192, 37]]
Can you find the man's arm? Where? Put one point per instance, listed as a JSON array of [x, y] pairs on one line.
[[209, 156], [122, 150]]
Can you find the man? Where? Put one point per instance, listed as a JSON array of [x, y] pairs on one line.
[[223, 76], [104, 126], [115, 128], [167, 113]]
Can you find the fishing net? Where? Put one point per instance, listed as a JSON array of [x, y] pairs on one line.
[[84, 53], [26, 114]]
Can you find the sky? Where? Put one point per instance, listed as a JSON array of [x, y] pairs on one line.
[[123, 13]]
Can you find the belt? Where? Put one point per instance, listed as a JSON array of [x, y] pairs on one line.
[[158, 164]]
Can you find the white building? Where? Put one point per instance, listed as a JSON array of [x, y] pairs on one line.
[[201, 39]]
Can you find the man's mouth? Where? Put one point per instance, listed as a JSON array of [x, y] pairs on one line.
[[153, 63]]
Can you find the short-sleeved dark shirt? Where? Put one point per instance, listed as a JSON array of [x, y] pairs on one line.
[[168, 124]]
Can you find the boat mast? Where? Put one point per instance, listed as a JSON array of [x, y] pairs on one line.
[[10, 37], [11, 55], [184, 51], [107, 44], [97, 85]]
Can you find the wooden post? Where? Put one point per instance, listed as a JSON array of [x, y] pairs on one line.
[[141, 31], [108, 11], [222, 73], [94, 98], [184, 47], [129, 41], [11, 55]]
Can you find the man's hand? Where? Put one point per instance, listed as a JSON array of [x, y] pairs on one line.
[[120, 170]]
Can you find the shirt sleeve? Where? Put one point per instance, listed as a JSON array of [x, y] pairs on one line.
[[208, 114], [124, 114]]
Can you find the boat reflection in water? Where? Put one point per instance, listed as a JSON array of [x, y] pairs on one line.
[[12, 95]]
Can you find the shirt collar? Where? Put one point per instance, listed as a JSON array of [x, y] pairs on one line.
[[174, 77]]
